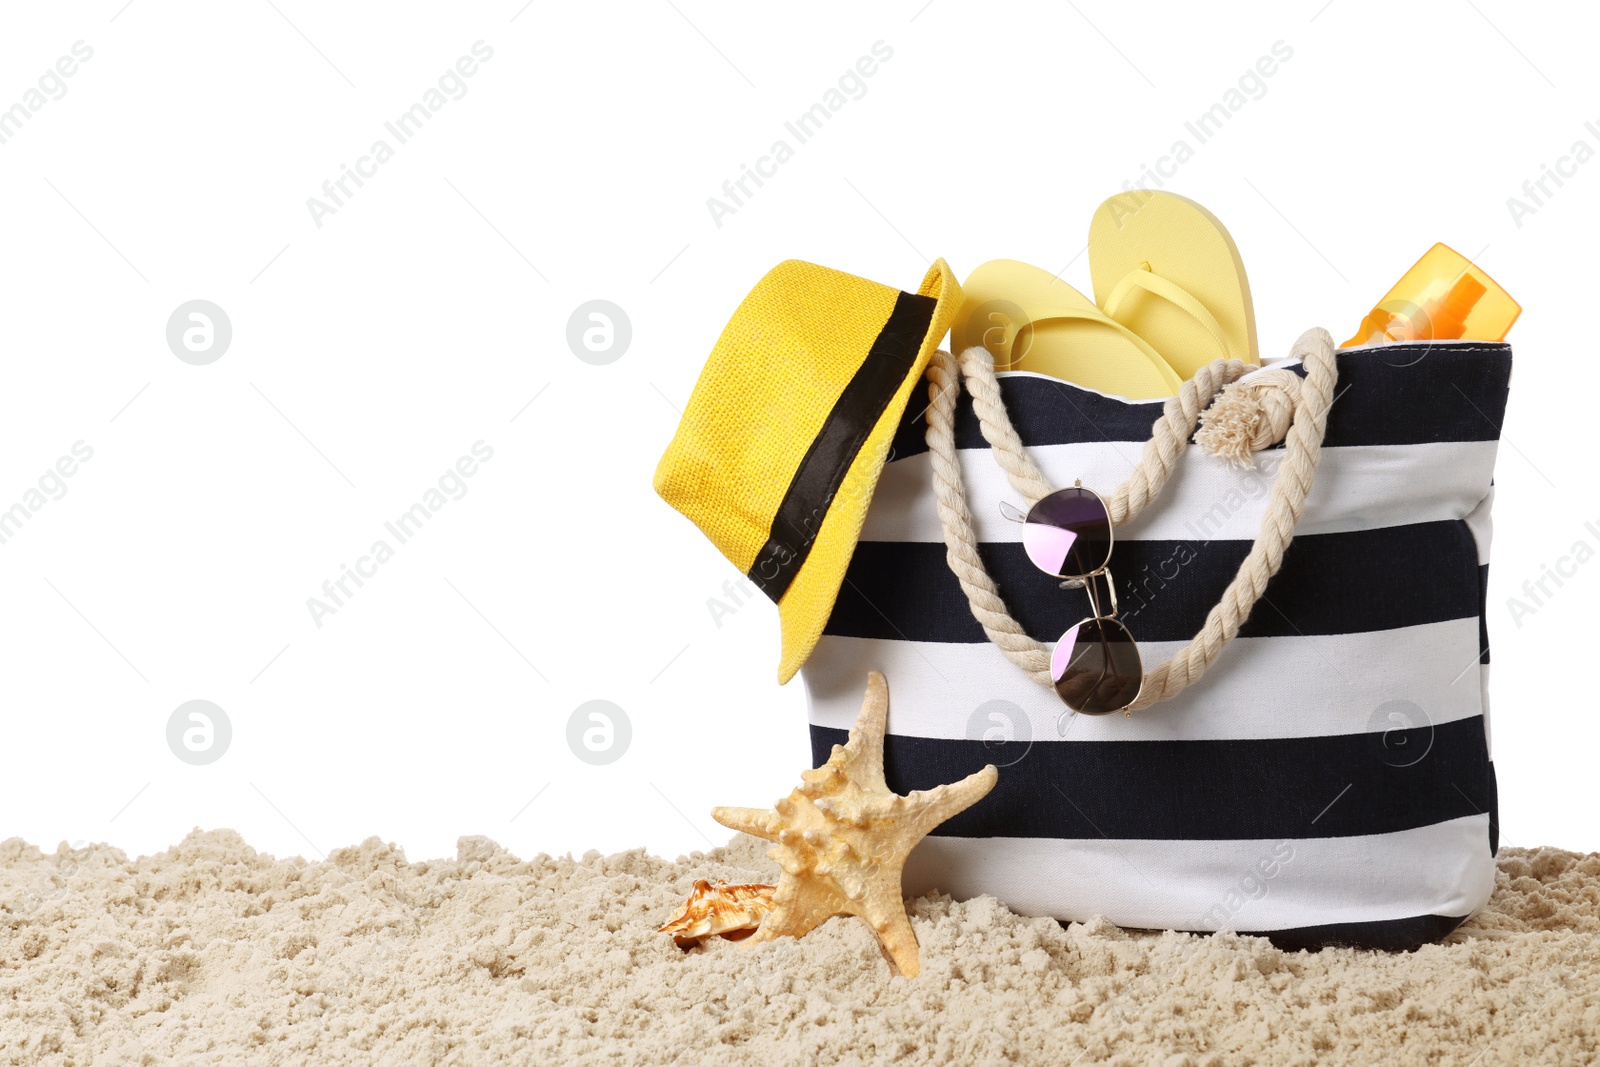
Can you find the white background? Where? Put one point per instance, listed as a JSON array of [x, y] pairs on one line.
[[429, 312]]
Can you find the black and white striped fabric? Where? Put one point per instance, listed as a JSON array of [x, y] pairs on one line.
[[1328, 781]]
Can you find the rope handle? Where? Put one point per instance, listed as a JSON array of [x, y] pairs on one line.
[[1239, 417]]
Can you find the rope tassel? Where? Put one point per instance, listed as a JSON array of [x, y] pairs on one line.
[[1249, 416]]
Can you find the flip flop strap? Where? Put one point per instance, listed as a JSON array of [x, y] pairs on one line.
[[1312, 399], [1090, 314], [1148, 281]]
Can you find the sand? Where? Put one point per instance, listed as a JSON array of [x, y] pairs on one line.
[[214, 953]]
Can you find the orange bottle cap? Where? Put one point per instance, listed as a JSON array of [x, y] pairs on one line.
[[1444, 296]]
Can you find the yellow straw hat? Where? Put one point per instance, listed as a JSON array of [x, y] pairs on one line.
[[789, 425]]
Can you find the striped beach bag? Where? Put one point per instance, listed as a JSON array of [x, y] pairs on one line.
[[1328, 780]]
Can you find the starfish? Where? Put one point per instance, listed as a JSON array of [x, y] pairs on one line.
[[842, 837]]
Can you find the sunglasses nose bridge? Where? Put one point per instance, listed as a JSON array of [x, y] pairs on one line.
[[1088, 583], [1111, 592]]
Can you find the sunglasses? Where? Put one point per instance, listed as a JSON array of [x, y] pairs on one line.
[[1096, 665]]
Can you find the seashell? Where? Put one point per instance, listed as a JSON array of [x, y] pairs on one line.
[[733, 911]]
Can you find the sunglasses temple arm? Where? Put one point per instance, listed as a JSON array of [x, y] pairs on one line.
[[1105, 643]]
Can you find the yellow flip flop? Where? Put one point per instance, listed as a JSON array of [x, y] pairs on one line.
[[1031, 320], [1167, 269]]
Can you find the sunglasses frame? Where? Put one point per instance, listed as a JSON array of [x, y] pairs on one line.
[[1087, 583]]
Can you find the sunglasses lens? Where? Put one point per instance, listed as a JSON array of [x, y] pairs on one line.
[[1068, 533], [1096, 667]]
